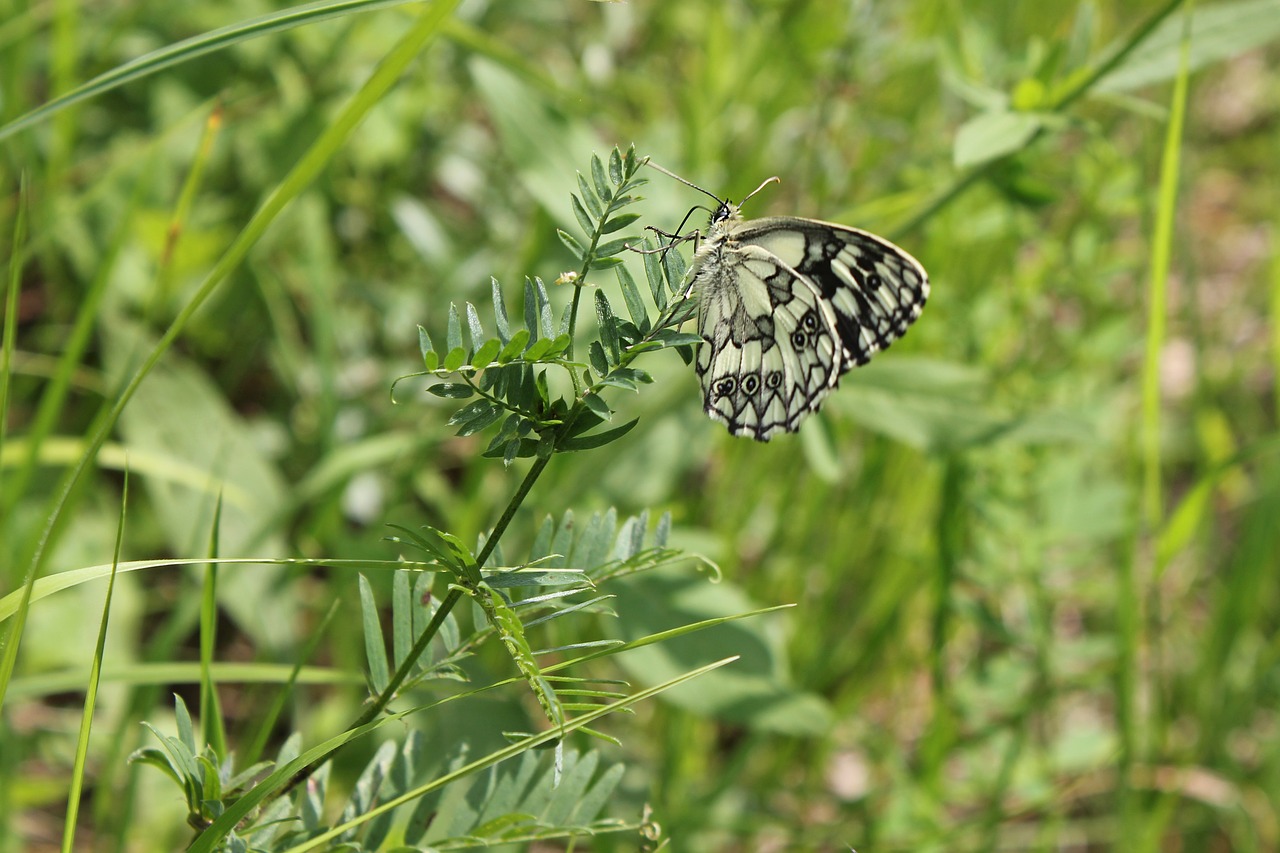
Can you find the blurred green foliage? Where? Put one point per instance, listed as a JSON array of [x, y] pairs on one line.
[[992, 647]]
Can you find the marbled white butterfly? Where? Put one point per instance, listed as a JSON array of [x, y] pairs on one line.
[[787, 305]]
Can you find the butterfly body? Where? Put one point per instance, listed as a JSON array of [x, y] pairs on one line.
[[787, 305]]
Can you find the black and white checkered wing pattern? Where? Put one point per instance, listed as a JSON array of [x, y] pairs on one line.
[[875, 289], [786, 306]]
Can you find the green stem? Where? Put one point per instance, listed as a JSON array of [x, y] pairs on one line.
[[514, 504], [578, 284], [1112, 62], [437, 621], [958, 187], [965, 182]]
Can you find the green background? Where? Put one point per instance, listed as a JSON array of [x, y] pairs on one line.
[[1032, 548]]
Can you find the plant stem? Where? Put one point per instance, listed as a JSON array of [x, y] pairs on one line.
[[437, 620], [960, 185]]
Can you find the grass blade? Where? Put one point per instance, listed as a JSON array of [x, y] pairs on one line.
[[91, 694], [299, 178], [196, 46], [211, 726]]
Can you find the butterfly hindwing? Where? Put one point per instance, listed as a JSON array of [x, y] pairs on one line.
[[771, 351]]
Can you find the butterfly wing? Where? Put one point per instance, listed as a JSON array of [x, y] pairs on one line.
[[875, 289], [787, 306], [772, 351]]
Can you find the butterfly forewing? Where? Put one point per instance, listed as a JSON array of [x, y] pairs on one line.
[[789, 304], [875, 288]]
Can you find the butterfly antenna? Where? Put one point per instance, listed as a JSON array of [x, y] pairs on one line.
[[774, 180], [670, 174]]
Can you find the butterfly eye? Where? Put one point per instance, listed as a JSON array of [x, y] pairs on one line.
[[773, 381], [751, 384], [798, 339], [725, 386], [874, 281], [810, 323]]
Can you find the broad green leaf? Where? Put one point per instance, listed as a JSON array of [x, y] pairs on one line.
[[454, 337], [608, 330], [599, 179], [598, 360], [631, 294], [672, 338], [674, 268], [514, 448], [583, 217], [185, 421], [514, 347], [475, 417], [455, 359], [1219, 31], [537, 349], [524, 391], [559, 344], [540, 381], [530, 309], [475, 330], [756, 692], [653, 273], [991, 135], [612, 247], [452, 390], [500, 312], [619, 222], [598, 406], [571, 244], [592, 202], [401, 616], [615, 167], [546, 324], [374, 650], [597, 439], [487, 353]]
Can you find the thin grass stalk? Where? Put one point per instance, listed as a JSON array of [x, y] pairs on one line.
[[1157, 295], [91, 692], [10, 338], [182, 211], [1143, 827], [212, 729], [194, 47], [65, 53], [1275, 317]]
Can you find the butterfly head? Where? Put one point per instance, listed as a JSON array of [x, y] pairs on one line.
[[726, 212]]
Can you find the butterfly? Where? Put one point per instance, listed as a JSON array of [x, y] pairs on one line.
[[786, 305]]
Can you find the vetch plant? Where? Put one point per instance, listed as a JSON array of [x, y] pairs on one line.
[[418, 800]]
